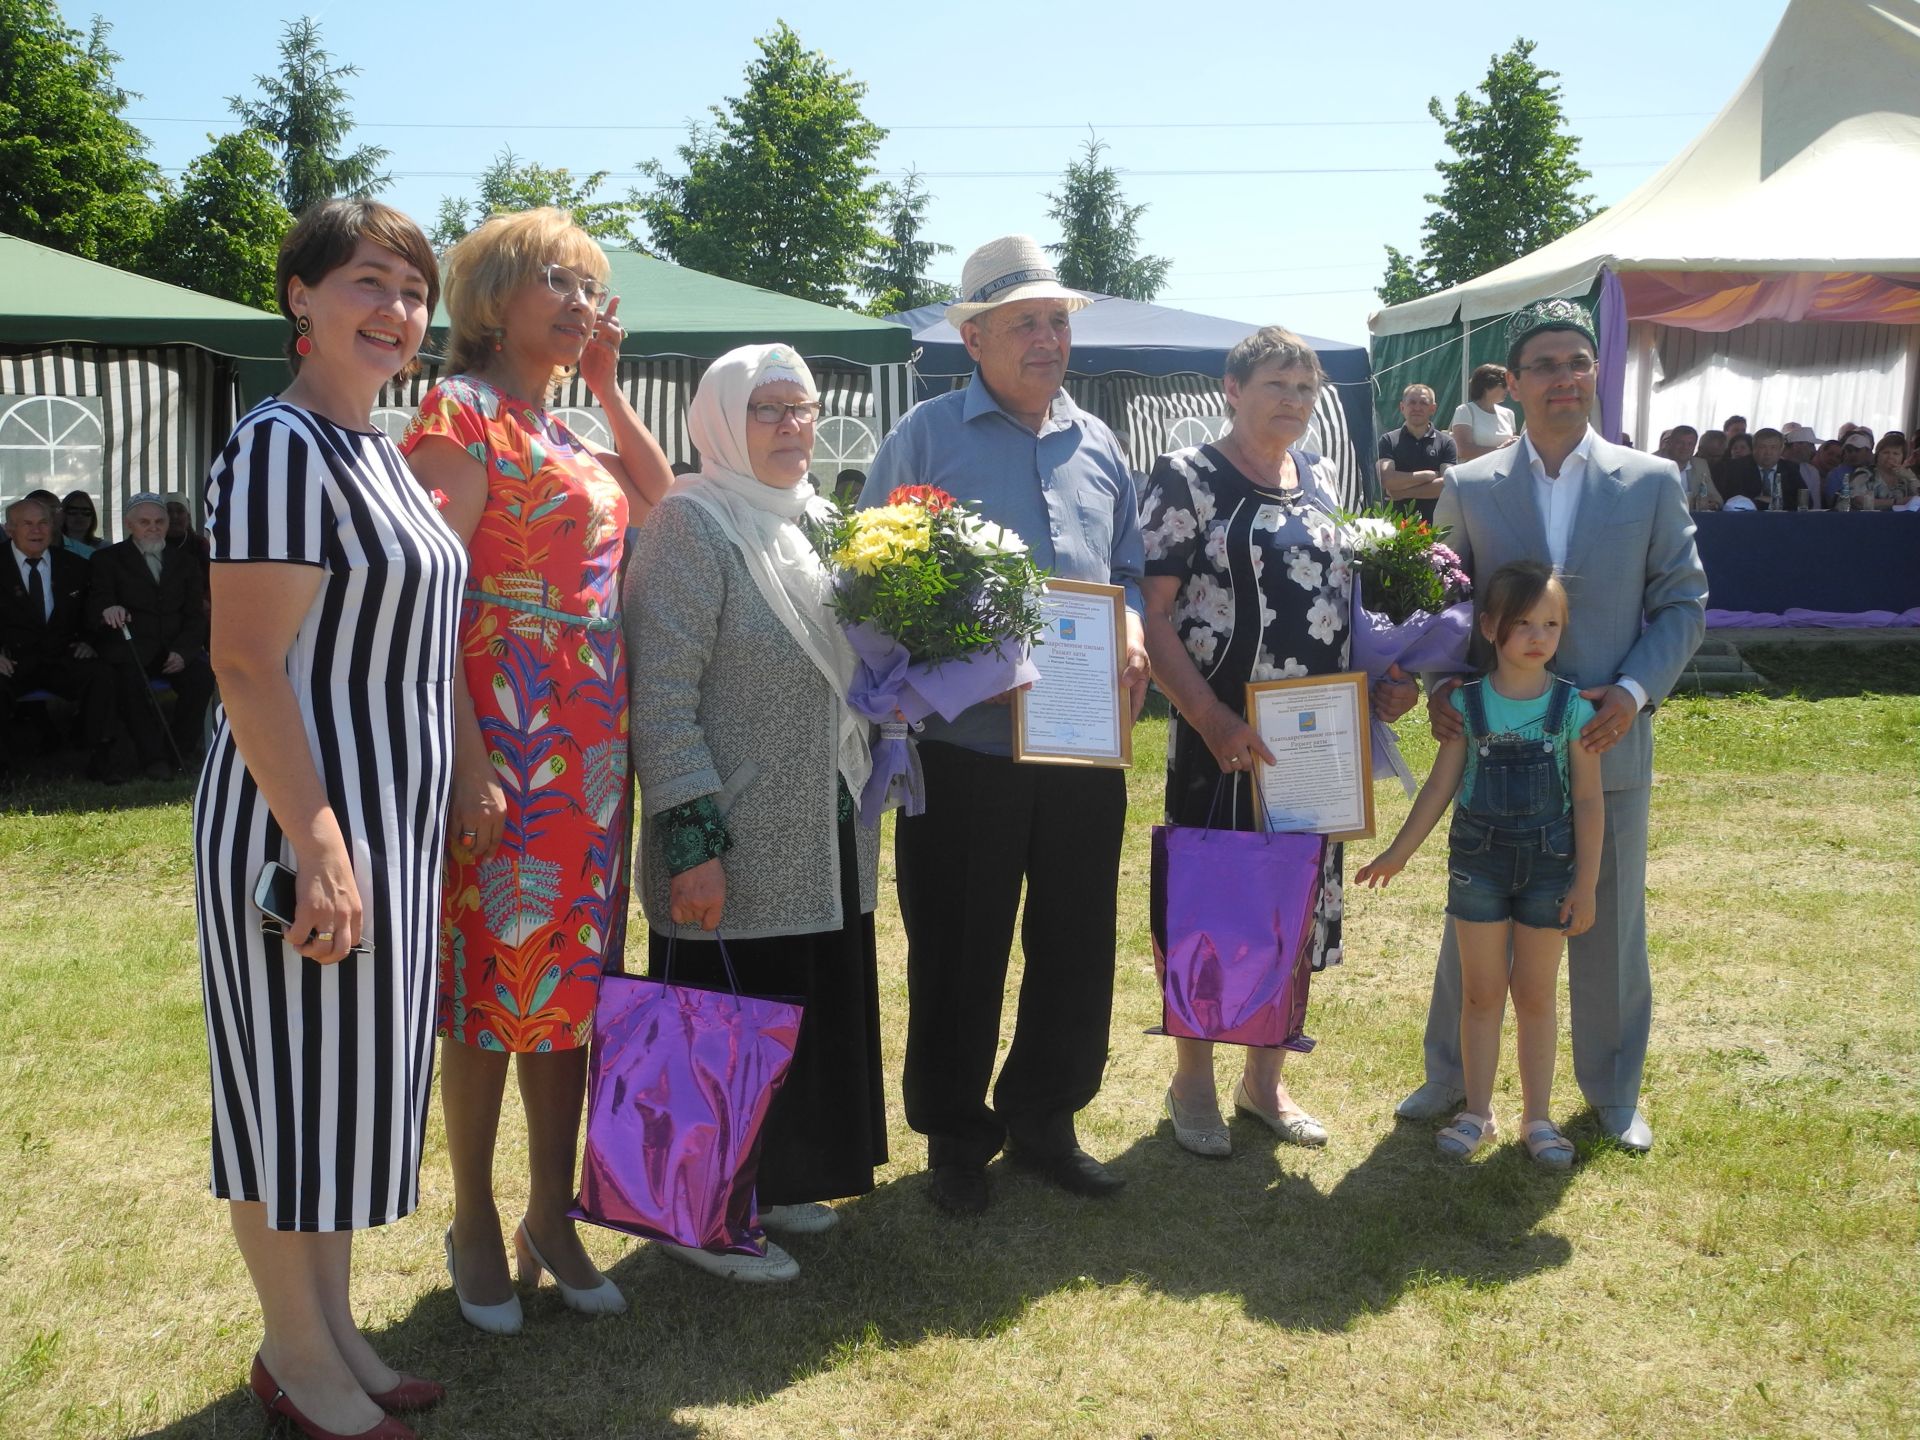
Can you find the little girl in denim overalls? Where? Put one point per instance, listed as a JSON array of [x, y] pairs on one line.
[[1524, 850]]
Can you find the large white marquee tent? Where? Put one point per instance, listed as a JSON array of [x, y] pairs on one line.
[[1772, 269]]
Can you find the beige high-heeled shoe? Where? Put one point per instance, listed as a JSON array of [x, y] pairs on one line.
[[602, 1299]]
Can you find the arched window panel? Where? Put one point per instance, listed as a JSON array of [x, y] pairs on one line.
[[52, 442]]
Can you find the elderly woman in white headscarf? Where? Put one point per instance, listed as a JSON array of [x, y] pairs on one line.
[[748, 760]]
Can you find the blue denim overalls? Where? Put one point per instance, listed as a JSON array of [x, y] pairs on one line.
[[1511, 841]]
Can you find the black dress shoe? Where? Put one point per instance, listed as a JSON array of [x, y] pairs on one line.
[[959, 1189], [1074, 1171]]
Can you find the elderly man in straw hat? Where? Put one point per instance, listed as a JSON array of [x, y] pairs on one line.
[[1015, 447], [149, 601]]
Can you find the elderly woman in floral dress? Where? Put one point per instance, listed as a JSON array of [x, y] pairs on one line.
[[1247, 579]]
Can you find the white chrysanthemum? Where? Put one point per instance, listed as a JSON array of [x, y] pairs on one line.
[[983, 537], [1367, 531]]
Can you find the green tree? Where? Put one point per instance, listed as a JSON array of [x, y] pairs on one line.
[[778, 191], [1100, 232], [221, 234], [73, 173], [896, 279], [304, 111], [1511, 187], [511, 183]]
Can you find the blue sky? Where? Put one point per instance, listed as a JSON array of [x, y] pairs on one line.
[[991, 101]]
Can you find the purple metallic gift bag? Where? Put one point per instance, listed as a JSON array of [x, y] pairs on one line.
[[678, 1091], [1233, 911]]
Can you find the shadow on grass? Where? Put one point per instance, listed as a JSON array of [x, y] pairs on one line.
[[1826, 672], [896, 1273]]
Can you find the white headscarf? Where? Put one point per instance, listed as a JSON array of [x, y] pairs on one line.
[[762, 522]]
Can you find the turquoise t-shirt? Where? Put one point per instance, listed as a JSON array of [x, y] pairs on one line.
[[1521, 720]]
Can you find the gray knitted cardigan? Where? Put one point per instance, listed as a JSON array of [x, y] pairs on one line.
[[724, 703]]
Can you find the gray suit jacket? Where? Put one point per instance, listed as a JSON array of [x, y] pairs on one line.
[[1636, 594]]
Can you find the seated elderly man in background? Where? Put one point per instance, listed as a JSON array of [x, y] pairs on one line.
[[1765, 477], [149, 600], [43, 630]]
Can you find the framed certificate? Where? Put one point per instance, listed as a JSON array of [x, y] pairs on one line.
[[1318, 730], [1075, 713]]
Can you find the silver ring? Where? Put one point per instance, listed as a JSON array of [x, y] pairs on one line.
[[469, 834]]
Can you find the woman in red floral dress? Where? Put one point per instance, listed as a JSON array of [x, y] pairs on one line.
[[535, 895]]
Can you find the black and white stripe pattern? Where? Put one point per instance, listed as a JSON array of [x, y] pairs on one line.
[[321, 1073]]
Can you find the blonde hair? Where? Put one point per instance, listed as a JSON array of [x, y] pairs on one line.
[[485, 266]]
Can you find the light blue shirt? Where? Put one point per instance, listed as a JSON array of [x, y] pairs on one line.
[[1066, 491]]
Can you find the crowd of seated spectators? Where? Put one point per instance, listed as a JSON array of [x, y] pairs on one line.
[[117, 631], [1792, 468]]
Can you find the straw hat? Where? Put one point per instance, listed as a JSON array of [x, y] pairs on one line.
[[1002, 271]]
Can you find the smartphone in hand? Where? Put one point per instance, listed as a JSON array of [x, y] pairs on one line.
[[274, 896]]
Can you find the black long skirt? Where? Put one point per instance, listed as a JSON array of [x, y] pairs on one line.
[[827, 1127]]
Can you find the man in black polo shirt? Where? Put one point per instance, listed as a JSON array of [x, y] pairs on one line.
[[1414, 458]]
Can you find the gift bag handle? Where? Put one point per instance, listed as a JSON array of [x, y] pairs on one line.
[[666, 967]]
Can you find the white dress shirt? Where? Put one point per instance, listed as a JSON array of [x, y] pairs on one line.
[[1558, 498], [46, 575]]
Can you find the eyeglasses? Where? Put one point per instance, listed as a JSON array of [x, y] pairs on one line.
[[565, 282], [803, 413], [1554, 369]]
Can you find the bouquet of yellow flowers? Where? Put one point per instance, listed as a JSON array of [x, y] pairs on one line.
[[939, 606]]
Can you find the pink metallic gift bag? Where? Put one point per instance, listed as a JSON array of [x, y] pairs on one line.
[[1234, 913], [678, 1091]]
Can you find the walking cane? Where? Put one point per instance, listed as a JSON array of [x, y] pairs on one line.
[[159, 715]]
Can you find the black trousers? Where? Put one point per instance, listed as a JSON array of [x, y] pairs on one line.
[[192, 690], [85, 683], [989, 826]]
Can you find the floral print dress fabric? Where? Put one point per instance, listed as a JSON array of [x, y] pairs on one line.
[[525, 933], [1266, 593]]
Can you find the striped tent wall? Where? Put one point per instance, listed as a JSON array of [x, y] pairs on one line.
[[163, 411], [661, 388], [1143, 411]]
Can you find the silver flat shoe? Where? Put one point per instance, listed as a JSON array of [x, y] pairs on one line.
[[772, 1268], [1301, 1129], [1430, 1101], [808, 1218], [1200, 1132]]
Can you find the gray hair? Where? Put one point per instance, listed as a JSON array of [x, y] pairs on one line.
[[46, 510], [1275, 345]]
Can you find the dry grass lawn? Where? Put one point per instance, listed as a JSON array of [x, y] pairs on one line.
[[1755, 1275]]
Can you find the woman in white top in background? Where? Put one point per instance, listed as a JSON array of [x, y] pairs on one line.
[[1483, 424]]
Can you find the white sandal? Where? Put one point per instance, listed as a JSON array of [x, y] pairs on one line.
[[1466, 1134]]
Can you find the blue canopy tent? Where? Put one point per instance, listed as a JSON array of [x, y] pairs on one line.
[[1153, 374]]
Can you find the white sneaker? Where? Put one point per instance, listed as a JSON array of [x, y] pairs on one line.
[[772, 1268], [807, 1218]]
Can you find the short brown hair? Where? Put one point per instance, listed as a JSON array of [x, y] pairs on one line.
[[487, 264], [1485, 378], [1276, 345], [1512, 592], [325, 238]]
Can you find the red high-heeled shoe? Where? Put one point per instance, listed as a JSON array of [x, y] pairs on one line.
[[276, 1402], [411, 1394]]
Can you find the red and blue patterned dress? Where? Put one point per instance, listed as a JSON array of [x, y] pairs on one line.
[[525, 933]]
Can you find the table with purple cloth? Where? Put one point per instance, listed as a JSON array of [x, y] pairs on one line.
[[1813, 560]]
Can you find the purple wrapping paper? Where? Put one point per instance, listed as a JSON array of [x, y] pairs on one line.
[[1422, 644], [679, 1088], [887, 680], [1238, 917]]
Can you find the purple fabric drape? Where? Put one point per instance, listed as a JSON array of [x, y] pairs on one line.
[[1812, 620], [1612, 322]]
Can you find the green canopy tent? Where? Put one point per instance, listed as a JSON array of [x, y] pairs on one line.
[[677, 320], [113, 383]]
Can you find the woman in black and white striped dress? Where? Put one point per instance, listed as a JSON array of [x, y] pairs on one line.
[[336, 592]]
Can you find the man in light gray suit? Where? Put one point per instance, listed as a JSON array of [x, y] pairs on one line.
[[1614, 522]]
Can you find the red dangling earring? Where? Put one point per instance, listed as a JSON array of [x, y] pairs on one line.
[[304, 345], [499, 339]]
